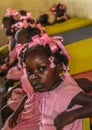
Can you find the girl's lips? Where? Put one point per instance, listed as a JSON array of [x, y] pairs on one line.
[[38, 87]]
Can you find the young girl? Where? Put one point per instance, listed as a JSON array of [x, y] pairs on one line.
[[22, 37], [59, 12], [12, 99], [11, 27], [7, 22], [46, 63], [11, 23]]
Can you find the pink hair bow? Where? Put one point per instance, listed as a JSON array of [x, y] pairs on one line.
[[26, 84], [18, 25], [36, 39], [52, 65], [58, 41], [19, 47], [48, 40], [45, 39]]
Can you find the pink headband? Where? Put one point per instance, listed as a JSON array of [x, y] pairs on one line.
[[53, 42]]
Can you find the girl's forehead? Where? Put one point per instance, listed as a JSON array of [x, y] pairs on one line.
[[38, 52], [37, 58]]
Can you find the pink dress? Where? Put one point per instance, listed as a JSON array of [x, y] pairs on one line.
[[29, 118], [14, 73], [41, 108], [57, 101]]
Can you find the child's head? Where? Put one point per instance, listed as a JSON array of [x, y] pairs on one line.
[[23, 12], [24, 35], [44, 64], [7, 23], [25, 19], [43, 19], [60, 10]]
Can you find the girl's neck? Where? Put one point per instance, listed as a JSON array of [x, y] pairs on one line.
[[56, 85]]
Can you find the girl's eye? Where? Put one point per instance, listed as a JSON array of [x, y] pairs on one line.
[[29, 72], [42, 68], [39, 70]]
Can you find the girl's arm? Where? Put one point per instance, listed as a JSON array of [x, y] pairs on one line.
[[8, 94], [19, 109], [82, 112], [3, 99], [85, 84]]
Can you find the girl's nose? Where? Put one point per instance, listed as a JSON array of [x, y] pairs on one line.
[[35, 75]]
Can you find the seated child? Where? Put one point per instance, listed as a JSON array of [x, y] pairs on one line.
[[12, 99], [59, 11], [45, 62], [7, 22]]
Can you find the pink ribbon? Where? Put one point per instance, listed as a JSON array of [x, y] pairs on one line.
[[52, 65], [26, 84], [19, 47], [53, 42], [63, 49]]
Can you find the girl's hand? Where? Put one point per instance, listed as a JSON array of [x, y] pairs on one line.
[[13, 120], [63, 119]]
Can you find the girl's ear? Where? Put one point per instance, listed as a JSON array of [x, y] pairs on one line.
[[59, 68]]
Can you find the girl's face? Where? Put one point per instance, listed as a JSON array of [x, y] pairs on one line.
[[7, 28], [41, 76]]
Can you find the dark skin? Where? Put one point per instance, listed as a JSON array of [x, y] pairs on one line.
[[42, 79], [7, 28], [41, 76], [39, 71], [85, 84]]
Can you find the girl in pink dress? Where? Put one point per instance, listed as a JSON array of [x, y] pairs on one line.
[[59, 12], [14, 97], [51, 91]]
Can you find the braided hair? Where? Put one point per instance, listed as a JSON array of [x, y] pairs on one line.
[[58, 56], [25, 35]]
